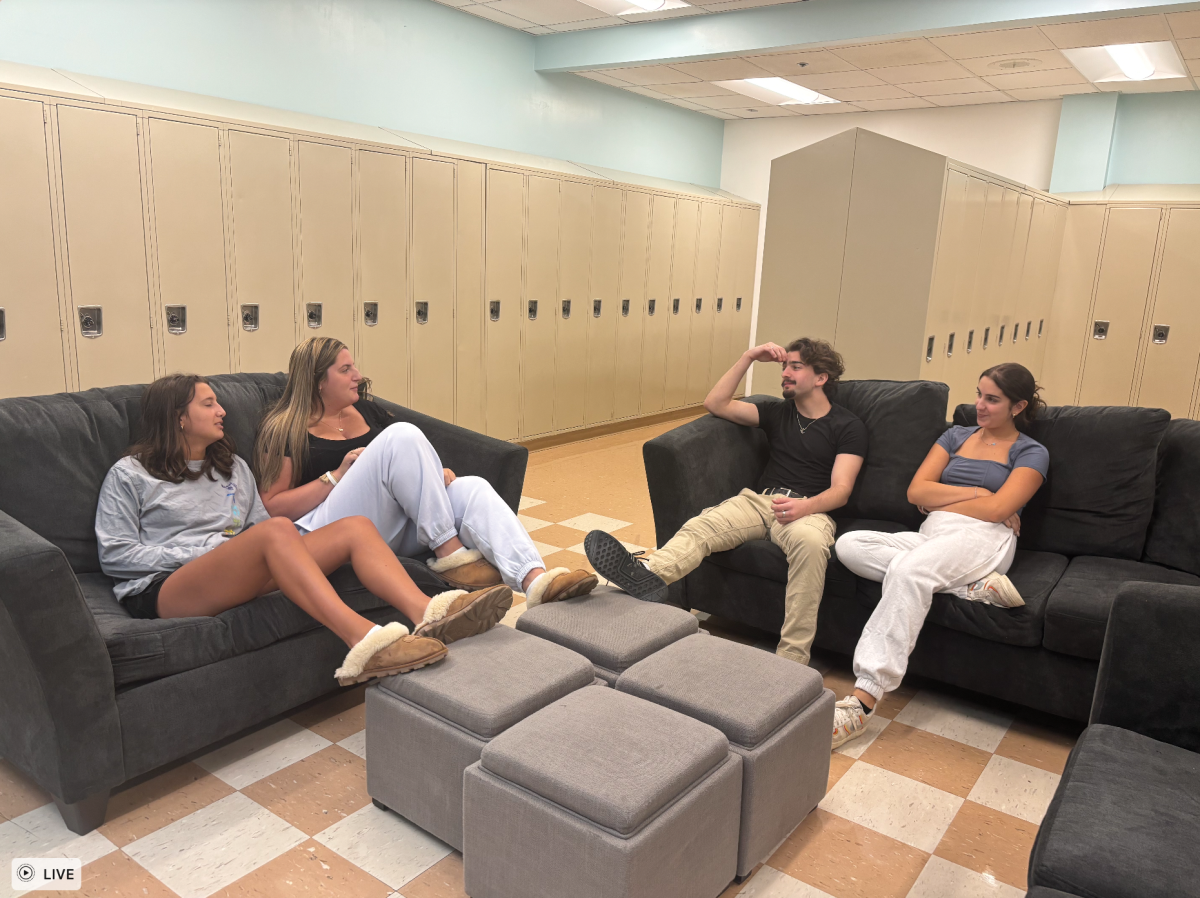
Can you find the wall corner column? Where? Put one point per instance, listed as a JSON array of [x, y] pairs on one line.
[[1085, 137]]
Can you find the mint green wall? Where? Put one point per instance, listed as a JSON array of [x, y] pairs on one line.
[[413, 65], [1085, 130]]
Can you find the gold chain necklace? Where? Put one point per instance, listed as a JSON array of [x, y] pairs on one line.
[[803, 427]]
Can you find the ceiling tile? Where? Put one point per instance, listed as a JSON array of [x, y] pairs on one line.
[[1101, 32], [764, 111], [992, 43], [854, 94], [910, 103], [1189, 47], [910, 52], [686, 104], [716, 113], [606, 22], [990, 96], [1051, 78], [1153, 86], [953, 86], [726, 5], [928, 71], [1194, 66], [647, 92], [823, 108], [1026, 62], [837, 79], [538, 29], [456, 2], [722, 69], [673, 13], [502, 18], [1184, 24], [728, 101], [548, 12], [694, 89], [650, 74], [603, 78], [815, 62], [1050, 93]]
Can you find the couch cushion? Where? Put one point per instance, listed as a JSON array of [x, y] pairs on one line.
[[1174, 535], [1077, 613], [246, 398], [1123, 821], [1099, 495]]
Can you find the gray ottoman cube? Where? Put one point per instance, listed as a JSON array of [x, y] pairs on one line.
[[426, 727], [610, 628], [777, 715], [602, 795]]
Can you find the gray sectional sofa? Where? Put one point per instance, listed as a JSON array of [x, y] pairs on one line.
[[93, 698]]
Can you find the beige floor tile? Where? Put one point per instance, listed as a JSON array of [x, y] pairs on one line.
[[557, 536], [317, 792], [1015, 788], [117, 875], [856, 749], [310, 869], [151, 805], [735, 888], [772, 883], [956, 719], [528, 502], [942, 879], [17, 794], [336, 717], [262, 753], [591, 521], [42, 833], [1038, 746], [532, 524], [838, 765], [927, 758], [443, 880], [385, 845], [356, 743], [894, 805], [989, 842], [841, 680], [847, 860]]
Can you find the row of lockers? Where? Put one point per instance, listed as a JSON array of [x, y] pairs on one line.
[[512, 302]]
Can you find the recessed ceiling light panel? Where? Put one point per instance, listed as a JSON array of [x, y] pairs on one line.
[[776, 91], [634, 7], [1128, 62]]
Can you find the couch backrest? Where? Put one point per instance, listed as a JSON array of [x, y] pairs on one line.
[[1174, 535], [1099, 495]]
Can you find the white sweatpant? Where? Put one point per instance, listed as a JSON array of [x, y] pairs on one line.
[[398, 483], [950, 551]]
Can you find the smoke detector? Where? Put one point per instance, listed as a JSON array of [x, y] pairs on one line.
[[1009, 65]]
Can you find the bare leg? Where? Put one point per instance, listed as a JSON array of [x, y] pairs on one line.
[[453, 544], [530, 577]]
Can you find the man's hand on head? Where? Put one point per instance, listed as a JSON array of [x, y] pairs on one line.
[[787, 510], [768, 352]]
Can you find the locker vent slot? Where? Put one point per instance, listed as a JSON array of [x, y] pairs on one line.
[[650, 307], [596, 308], [494, 310], [929, 350], [720, 302], [625, 308], [970, 341], [699, 304], [1099, 330], [313, 314], [987, 335], [1028, 329], [566, 308], [176, 319], [950, 346], [370, 313], [250, 316], [675, 306], [3, 325], [91, 321], [422, 313], [1000, 342], [1161, 331], [533, 309], [1040, 323], [738, 305]]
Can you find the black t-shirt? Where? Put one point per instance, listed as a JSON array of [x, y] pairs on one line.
[[326, 455], [803, 462]]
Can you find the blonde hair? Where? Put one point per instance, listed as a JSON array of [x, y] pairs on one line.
[[284, 430]]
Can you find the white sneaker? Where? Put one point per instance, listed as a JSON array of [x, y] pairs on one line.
[[995, 589], [849, 720]]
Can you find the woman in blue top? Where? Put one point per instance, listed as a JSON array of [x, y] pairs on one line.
[[973, 485]]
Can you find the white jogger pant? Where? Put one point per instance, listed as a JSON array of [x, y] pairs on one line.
[[950, 551], [398, 483]]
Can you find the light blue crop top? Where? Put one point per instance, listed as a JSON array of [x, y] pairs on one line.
[[1026, 452]]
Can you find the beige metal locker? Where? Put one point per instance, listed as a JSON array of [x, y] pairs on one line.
[[683, 278], [383, 273], [1172, 343], [326, 307], [1068, 329], [1008, 308], [743, 303], [31, 339], [1122, 288], [960, 371], [708, 253], [627, 393], [541, 297], [260, 169], [1044, 256], [468, 321], [727, 275], [658, 304], [106, 245], [999, 236], [504, 271], [944, 285], [570, 338], [602, 315], [433, 273]]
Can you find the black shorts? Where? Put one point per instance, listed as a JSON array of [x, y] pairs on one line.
[[144, 604]]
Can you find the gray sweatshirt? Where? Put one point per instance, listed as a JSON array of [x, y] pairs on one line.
[[147, 526]]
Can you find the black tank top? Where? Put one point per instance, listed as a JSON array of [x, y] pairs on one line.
[[326, 455]]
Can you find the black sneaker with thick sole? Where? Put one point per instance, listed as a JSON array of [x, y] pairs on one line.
[[622, 568]]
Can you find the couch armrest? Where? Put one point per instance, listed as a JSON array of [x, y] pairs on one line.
[[1149, 678], [698, 465], [466, 452]]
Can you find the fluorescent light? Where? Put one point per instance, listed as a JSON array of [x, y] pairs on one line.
[[776, 91], [634, 7], [1133, 61], [650, 5]]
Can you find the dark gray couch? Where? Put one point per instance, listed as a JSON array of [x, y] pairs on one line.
[[93, 698], [1125, 819], [1119, 505]]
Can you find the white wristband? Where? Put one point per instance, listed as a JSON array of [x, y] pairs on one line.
[[332, 479]]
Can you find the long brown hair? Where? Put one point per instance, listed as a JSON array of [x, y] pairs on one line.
[[1017, 383], [284, 431], [161, 448]]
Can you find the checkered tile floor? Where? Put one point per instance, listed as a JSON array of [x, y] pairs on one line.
[[941, 800]]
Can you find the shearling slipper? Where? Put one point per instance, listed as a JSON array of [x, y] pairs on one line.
[[367, 647], [457, 614], [558, 584], [457, 558], [438, 605]]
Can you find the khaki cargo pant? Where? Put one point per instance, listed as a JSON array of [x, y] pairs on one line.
[[745, 517]]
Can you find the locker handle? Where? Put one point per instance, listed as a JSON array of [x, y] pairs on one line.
[[1000, 342], [176, 319], [970, 340], [650, 307], [675, 306], [1041, 322], [422, 313], [950, 346], [1159, 335], [370, 313], [494, 310], [987, 336], [250, 316], [1099, 330], [625, 308], [566, 308], [596, 308], [699, 303], [720, 302], [738, 305], [1028, 329], [533, 309], [91, 321], [3, 324], [929, 349], [313, 314]]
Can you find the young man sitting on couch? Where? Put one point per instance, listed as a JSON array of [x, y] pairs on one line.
[[816, 452]]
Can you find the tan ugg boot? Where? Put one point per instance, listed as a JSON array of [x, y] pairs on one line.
[[458, 614], [466, 569], [558, 584], [386, 651]]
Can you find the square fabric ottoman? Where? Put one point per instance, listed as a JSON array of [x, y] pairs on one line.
[[611, 629], [602, 795], [426, 727], [777, 715]]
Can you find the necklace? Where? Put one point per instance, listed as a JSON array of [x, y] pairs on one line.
[[994, 442], [335, 426], [799, 421]]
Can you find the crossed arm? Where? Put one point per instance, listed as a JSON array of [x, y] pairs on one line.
[[928, 493]]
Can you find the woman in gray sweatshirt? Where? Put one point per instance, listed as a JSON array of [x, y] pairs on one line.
[[181, 527]]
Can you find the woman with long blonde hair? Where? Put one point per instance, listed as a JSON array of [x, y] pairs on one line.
[[327, 451]]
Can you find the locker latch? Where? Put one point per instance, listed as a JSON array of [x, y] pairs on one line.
[[1028, 329], [625, 308], [970, 341], [3, 325], [987, 336], [176, 319], [1159, 335], [422, 313], [1099, 330], [929, 350], [91, 321], [596, 308], [1041, 322], [250, 316], [566, 306], [313, 314], [699, 304], [950, 346], [1000, 342], [720, 302], [650, 304], [533, 309], [675, 306], [494, 310], [370, 313], [738, 305]]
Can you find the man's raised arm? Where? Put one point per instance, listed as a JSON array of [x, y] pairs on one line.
[[720, 401]]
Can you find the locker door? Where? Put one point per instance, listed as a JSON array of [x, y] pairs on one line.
[[951, 237], [262, 250], [1169, 372], [1076, 270], [727, 276], [1018, 347], [433, 266], [960, 372], [106, 244], [631, 312], [31, 343], [1011, 301], [575, 259], [1000, 225], [538, 318], [1037, 312], [468, 321], [383, 273], [708, 250], [326, 242], [1126, 261], [683, 278], [602, 314], [503, 272], [743, 303], [658, 305]]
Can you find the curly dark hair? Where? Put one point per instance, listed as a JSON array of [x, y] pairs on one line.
[[823, 358], [1017, 383], [160, 447]]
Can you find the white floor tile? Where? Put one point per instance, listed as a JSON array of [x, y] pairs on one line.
[[1015, 788], [589, 521], [855, 749], [384, 844], [356, 743], [510, 619], [42, 833], [771, 883], [527, 502], [531, 524], [942, 879], [545, 549], [215, 846], [955, 719], [912, 812], [262, 753]]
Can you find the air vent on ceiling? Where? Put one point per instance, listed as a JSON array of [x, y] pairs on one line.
[[1008, 65]]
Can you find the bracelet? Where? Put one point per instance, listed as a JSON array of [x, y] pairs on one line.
[[329, 478]]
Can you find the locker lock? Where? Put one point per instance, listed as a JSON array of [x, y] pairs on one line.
[[3, 324], [370, 313], [699, 304], [950, 346], [422, 313], [91, 321], [1099, 330], [566, 308], [929, 349], [625, 308], [1159, 334], [313, 314], [650, 304], [533, 309], [720, 302], [250, 316], [675, 306], [738, 305], [176, 319], [494, 310], [596, 308], [970, 341]]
